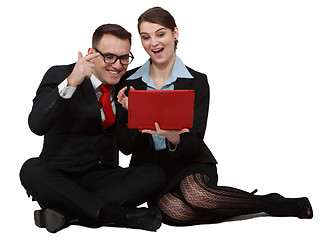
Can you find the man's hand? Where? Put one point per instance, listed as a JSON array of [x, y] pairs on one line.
[[173, 136], [122, 98], [83, 69]]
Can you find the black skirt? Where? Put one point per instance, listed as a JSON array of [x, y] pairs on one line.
[[178, 170]]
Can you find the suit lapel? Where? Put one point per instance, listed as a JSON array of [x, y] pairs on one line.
[[139, 84], [182, 84], [90, 95]]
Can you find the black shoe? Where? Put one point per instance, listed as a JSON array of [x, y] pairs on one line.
[[302, 206], [144, 218], [50, 219], [305, 208]]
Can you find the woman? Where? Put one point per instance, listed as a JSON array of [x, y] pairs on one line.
[[192, 195]]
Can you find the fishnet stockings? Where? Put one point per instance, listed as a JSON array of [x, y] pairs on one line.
[[176, 212], [199, 202]]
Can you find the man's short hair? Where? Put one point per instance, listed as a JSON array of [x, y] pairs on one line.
[[113, 29]]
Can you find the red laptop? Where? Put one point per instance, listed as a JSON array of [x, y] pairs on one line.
[[171, 109]]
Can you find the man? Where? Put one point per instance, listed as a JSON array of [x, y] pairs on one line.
[[77, 175]]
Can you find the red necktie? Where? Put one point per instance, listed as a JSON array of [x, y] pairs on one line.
[[105, 103]]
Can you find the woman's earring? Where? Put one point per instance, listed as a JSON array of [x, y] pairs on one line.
[[175, 38]]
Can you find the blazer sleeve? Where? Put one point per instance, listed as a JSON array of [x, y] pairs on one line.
[[191, 144], [48, 105]]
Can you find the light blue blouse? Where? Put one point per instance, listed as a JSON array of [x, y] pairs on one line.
[[179, 70]]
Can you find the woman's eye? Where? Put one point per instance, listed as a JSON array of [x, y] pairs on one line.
[[161, 34], [145, 37]]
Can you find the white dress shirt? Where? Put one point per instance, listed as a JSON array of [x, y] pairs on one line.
[[67, 92]]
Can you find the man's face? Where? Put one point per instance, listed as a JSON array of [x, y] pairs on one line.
[[110, 73]]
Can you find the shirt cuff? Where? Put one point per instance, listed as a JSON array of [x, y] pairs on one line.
[[172, 148], [65, 91]]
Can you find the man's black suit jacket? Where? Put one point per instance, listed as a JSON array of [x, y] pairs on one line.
[[191, 147], [72, 128]]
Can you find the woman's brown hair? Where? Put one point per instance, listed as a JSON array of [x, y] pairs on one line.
[[160, 16]]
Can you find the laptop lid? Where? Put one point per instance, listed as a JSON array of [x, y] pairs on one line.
[[171, 109]]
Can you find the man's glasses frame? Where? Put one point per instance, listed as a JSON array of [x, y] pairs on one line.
[[111, 58]]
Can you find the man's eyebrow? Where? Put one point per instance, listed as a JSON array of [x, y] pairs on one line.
[[108, 53], [123, 55], [155, 31]]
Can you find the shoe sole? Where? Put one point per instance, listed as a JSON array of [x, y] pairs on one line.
[[154, 225], [50, 219], [39, 218]]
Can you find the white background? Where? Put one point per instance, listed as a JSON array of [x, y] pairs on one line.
[[263, 60]]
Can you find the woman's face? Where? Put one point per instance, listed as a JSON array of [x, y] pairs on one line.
[[158, 41]]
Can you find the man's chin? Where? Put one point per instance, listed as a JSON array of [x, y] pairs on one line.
[[113, 81]]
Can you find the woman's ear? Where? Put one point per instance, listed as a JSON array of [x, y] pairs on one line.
[[175, 33]]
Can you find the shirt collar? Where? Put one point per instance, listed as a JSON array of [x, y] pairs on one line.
[[95, 82], [179, 70]]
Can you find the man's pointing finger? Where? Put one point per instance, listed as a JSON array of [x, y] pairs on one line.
[[91, 57]]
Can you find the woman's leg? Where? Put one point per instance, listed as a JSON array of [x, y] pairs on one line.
[[202, 202], [176, 212], [199, 194]]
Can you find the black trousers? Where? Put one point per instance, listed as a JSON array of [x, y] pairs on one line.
[[81, 195]]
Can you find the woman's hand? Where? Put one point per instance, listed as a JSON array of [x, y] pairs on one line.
[[173, 136], [122, 98]]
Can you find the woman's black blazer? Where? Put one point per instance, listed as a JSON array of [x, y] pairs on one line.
[[191, 147]]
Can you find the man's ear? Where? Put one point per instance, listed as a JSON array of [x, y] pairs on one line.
[[90, 51]]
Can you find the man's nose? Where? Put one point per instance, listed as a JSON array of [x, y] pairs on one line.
[[117, 64]]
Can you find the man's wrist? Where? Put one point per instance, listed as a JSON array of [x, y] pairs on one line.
[[66, 91], [71, 83]]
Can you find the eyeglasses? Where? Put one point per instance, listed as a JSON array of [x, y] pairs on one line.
[[111, 58]]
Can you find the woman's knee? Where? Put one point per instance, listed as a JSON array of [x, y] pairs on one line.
[[194, 189], [174, 211]]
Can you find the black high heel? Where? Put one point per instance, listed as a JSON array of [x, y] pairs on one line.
[[303, 205], [305, 208]]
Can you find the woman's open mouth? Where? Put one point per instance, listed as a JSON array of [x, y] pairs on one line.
[[158, 51]]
